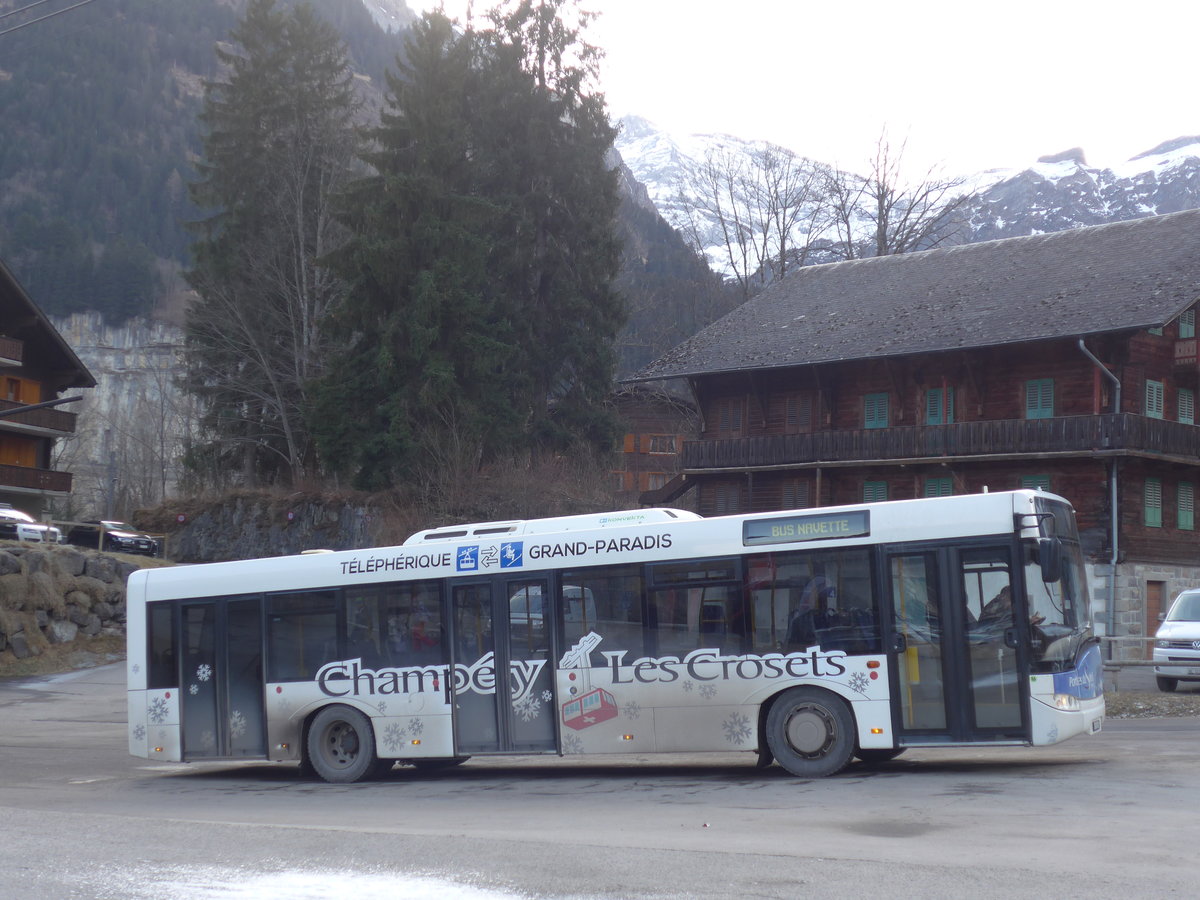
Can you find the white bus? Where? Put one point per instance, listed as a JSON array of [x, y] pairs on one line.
[[806, 636]]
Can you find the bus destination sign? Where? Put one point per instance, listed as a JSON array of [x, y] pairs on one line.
[[816, 527]]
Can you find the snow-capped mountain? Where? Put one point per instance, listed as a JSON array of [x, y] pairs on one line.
[[1055, 193]]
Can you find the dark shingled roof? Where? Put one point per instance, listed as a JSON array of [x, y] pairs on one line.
[[1125, 276]]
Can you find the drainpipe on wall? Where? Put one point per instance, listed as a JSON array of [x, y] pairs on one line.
[[1111, 612]]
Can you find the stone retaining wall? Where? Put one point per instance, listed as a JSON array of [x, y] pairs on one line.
[[54, 594]]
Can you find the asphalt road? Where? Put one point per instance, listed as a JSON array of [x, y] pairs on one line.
[[1108, 816]]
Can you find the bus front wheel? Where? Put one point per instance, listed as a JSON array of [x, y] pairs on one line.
[[341, 745], [810, 732]]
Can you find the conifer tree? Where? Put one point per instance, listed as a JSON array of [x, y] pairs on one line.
[[279, 142], [480, 313]]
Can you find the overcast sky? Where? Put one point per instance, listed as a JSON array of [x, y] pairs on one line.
[[971, 85]]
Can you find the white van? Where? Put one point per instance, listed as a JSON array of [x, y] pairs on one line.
[[1177, 643], [525, 609]]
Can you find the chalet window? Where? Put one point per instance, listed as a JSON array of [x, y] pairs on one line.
[[874, 491], [656, 480], [798, 412], [1154, 330], [1154, 399], [727, 498], [1187, 324], [1152, 503], [1185, 404], [939, 406], [1185, 502], [939, 487], [620, 480], [729, 414], [875, 411], [1039, 398], [662, 443], [794, 494], [1035, 482]]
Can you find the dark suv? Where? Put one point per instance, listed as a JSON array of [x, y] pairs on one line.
[[118, 537]]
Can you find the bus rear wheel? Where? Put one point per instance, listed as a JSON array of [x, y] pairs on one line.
[[810, 732], [341, 745]]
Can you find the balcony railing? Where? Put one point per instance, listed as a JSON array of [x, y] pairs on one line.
[[1067, 434], [11, 349], [48, 419], [27, 478]]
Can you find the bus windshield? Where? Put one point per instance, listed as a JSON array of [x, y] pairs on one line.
[[1058, 611]]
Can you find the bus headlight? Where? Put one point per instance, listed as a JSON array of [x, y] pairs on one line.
[[1066, 701]]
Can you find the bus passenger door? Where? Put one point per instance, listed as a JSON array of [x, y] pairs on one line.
[[221, 679], [955, 646], [504, 672]]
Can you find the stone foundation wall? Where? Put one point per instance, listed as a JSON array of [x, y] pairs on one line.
[[55, 594]]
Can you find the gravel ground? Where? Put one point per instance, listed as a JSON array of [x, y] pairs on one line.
[[1148, 704]]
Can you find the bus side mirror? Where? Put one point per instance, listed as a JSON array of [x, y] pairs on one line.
[[1050, 559]]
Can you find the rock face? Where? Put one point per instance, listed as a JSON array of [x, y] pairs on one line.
[[54, 595]]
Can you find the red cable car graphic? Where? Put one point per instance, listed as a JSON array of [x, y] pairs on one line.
[[592, 708]]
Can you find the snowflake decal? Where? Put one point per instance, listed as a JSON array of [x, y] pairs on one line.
[[135, 668], [158, 711], [687, 687], [284, 705], [547, 696], [737, 728], [383, 707], [208, 741], [572, 744], [193, 689], [708, 691], [204, 672], [237, 724], [416, 726], [528, 707], [859, 682], [139, 732], [632, 710], [393, 736], [1052, 736]]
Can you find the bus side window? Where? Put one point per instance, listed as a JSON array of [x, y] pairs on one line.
[[161, 669], [606, 601]]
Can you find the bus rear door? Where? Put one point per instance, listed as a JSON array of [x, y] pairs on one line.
[[503, 693]]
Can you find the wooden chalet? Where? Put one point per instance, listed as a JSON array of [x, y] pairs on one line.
[[1065, 361], [657, 424], [36, 366]]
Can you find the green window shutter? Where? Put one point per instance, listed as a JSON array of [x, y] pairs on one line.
[[1154, 399], [1035, 482], [939, 406], [875, 411], [1187, 324], [1154, 330], [939, 487], [1186, 506], [1039, 398], [1152, 503], [874, 491], [1185, 403]]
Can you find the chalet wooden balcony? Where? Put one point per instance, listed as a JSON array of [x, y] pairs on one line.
[[12, 351], [29, 479], [1106, 435], [43, 421]]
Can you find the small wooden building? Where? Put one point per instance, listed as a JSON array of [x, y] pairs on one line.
[[36, 366], [1065, 361], [657, 424]]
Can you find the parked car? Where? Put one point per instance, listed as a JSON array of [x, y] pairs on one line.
[[21, 526], [1177, 643], [118, 537]]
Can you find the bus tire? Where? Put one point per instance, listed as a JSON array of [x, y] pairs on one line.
[[341, 745], [878, 754], [1166, 685], [810, 732]]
